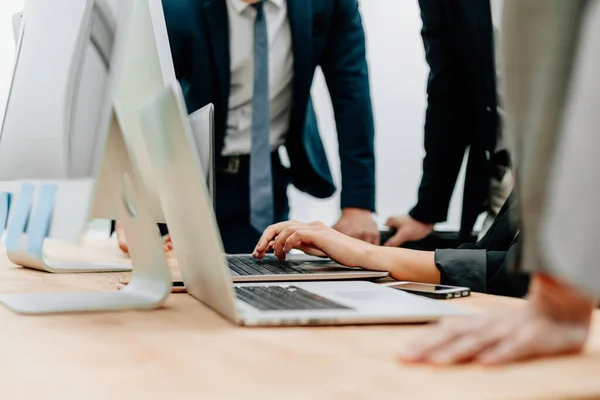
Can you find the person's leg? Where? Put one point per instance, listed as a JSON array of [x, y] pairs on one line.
[[233, 206], [232, 209], [238, 237]]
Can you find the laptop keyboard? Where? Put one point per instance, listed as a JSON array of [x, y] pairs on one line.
[[248, 265], [275, 298]]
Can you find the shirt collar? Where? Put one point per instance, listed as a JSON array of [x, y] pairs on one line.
[[240, 6]]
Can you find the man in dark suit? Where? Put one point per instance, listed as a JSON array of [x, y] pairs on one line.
[[461, 114], [255, 61]]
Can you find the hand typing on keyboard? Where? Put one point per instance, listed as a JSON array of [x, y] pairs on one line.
[[314, 238], [243, 265], [318, 239]]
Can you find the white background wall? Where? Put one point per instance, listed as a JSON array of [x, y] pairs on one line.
[[398, 74]]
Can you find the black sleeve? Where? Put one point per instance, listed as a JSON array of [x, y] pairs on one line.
[[482, 271], [179, 19], [447, 123], [472, 268], [485, 266], [463, 268], [345, 69], [502, 278]]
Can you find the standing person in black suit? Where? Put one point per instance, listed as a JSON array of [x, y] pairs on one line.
[[462, 113]]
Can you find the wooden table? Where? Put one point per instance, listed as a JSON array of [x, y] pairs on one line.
[[185, 350]]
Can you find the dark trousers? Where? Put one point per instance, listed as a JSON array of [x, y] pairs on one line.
[[232, 200]]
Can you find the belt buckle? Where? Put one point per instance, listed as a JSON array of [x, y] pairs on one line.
[[233, 165]]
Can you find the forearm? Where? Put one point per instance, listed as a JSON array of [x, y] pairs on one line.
[[403, 264], [559, 299]]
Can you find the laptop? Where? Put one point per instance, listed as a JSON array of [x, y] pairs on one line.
[[243, 267], [204, 269], [296, 267]]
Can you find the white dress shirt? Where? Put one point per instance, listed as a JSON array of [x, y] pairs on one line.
[[238, 135], [496, 6]]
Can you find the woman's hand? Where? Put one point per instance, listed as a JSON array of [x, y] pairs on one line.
[[313, 238]]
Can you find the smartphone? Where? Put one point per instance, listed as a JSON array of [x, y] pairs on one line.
[[434, 291], [178, 286]]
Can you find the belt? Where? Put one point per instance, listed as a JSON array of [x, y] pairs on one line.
[[235, 164], [231, 164]]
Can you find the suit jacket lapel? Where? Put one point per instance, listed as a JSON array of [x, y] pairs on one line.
[[217, 23], [300, 17]]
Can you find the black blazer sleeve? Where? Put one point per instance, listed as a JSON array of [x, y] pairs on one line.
[[344, 66], [502, 279], [463, 267], [448, 125], [178, 19], [485, 266], [481, 270]]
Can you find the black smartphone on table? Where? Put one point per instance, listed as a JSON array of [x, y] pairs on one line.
[[440, 292]]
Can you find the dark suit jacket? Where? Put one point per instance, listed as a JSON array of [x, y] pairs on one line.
[[325, 33], [486, 266], [461, 110]]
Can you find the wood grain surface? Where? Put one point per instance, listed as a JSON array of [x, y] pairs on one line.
[[184, 350]]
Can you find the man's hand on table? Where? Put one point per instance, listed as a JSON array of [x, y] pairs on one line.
[[407, 229], [359, 224], [555, 321]]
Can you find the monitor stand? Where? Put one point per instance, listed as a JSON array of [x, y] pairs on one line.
[[28, 229], [150, 281]]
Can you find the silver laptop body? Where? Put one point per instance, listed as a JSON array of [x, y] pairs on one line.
[[297, 267]]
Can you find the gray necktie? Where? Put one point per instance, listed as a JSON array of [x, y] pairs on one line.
[[261, 180]]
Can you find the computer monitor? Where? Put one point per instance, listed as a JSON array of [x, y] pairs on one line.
[[149, 68], [83, 66], [16, 23], [60, 47], [50, 126], [116, 169]]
